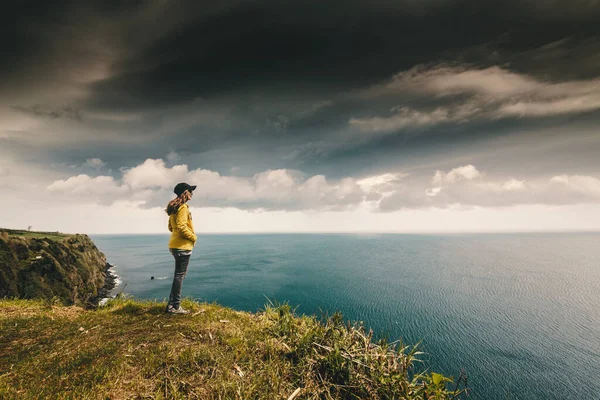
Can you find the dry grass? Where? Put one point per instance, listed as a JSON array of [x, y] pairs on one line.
[[132, 350]]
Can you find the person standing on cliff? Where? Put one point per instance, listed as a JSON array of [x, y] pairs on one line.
[[181, 243]]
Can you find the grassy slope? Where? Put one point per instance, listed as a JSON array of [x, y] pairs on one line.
[[32, 234], [131, 349]]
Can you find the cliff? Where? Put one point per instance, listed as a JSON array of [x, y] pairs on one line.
[[131, 349], [67, 268]]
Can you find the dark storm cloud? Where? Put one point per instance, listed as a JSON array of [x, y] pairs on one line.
[[271, 84], [324, 47], [170, 52], [18, 38]]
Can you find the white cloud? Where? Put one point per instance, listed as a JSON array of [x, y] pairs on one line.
[[407, 117], [380, 181], [152, 181], [410, 203], [402, 118], [513, 184], [103, 189], [94, 163], [493, 83], [467, 172], [150, 184], [467, 187], [444, 80], [434, 191], [586, 185], [154, 174], [489, 93], [540, 108], [173, 156]]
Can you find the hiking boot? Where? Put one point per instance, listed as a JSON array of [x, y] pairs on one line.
[[171, 310]]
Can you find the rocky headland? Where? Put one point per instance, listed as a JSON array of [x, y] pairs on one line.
[[48, 265]]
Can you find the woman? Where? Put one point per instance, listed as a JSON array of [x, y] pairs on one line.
[[181, 243]]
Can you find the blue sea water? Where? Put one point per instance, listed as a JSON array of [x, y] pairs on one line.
[[520, 313]]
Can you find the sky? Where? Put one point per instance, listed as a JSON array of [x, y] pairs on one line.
[[301, 116]]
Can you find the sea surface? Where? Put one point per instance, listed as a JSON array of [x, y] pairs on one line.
[[520, 313]]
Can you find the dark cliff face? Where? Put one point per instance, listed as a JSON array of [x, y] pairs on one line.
[[72, 269]]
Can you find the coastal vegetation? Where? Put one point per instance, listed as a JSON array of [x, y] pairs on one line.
[[132, 349]]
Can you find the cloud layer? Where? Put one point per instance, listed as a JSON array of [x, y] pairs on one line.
[[466, 186], [388, 105], [290, 85], [470, 93], [150, 183]]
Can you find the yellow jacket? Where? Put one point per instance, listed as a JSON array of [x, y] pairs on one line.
[[182, 228]]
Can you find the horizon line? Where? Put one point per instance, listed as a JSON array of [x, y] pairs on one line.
[[359, 232]]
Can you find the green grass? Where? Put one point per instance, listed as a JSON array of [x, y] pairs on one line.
[[132, 349], [32, 234]]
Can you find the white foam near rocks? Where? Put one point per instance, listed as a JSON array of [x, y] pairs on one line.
[[103, 301], [117, 280]]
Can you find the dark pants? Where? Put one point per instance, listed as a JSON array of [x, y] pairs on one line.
[[182, 259]]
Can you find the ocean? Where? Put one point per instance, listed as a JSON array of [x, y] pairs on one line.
[[520, 313]]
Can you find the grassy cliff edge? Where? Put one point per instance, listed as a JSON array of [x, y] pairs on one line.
[[131, 349]]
